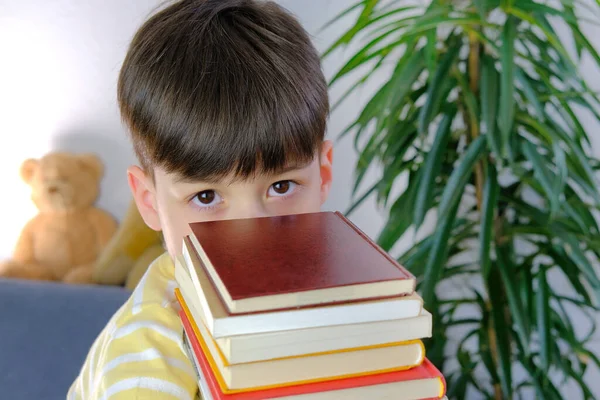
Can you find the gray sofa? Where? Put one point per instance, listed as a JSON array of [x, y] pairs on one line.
[[46, 330]]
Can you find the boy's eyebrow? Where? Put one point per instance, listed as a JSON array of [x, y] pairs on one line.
[[219, 179], [292, 167]]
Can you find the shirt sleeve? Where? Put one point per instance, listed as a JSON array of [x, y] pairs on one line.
[[139, 354]]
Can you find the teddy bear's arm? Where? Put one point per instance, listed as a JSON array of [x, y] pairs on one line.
[[105, 226], [24, 252]]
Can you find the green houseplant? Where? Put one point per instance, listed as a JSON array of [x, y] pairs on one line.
[[481, 115]]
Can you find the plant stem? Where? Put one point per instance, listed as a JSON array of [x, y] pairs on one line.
[[473, 128], [494, 350], [473, 68]]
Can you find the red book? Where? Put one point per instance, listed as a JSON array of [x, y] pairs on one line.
[[264, 264], [422, 382]]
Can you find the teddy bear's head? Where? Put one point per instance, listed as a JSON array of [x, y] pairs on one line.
[[63, 181]]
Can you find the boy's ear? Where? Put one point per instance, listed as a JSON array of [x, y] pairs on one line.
[[326, 159], [144, 193]]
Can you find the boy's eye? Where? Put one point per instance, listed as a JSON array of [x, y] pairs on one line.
[[207, 198], [281, 188]]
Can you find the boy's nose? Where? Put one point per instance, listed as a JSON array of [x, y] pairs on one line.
[[247, 211]]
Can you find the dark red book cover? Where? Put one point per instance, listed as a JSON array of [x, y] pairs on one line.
[[293, 253]]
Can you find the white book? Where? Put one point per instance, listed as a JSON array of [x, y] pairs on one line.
[[297, 370], [203, 389], [410, 390], [267, 346]]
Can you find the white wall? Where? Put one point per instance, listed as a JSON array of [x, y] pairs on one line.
[[59, 61], [58, 70]]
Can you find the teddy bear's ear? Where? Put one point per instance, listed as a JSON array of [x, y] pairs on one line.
[[92, 163], [28, 169]]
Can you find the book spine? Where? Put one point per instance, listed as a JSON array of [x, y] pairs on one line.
[[375, 245], [196, 254]]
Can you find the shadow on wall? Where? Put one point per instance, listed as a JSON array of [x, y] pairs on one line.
[[115, 195]]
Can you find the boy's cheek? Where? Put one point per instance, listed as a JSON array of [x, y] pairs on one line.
[[311, 202], [175, 227]]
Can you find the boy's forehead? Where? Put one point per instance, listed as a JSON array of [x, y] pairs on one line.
[[232, 177]]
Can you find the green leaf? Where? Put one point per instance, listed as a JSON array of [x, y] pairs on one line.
[[366, 158], [569, 10], [431, 169], [344, 13], [506, 269], [539, 217], [403, 133], [580, 169], [361, 199], [430, 50], [482, 7], [438, 255], [399, 220], [460, 176], [489, 103], [573, 250], [530, 93], [417, 255], [526, 286], [423, 21], [576, 302], [584, 43], [485, 353], [461, 270], [408, 70], [507, 87], [588, 174], [543, 319], [530, 6], [436, 86], [390, 174], [580, 212], [588, 354], [490, 200], [561, 167], [545, 176], [569, 268], [403, 138], [447, 17], [464, 231], [544, 387], [468, 98], [357, 84], [583, 5], [370, 50], [577, 376], [367, 114], [571, 119], [540, 22], [501, 330], [369, 5], [364, 55]]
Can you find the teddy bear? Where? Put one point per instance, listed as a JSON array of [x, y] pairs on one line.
[[129, 253], [62, 242]]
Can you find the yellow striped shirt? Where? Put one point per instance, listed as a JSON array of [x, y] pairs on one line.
[[139, 354]]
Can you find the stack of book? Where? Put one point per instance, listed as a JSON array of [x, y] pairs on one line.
[[301, 307]]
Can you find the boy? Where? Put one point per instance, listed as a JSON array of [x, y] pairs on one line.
[[227, 106]]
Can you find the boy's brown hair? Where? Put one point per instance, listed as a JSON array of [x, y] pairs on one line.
[[212, 87]]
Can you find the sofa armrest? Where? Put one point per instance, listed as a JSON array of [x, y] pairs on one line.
[[46, 330]]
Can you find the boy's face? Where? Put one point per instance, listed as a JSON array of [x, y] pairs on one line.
[[169, 203]]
